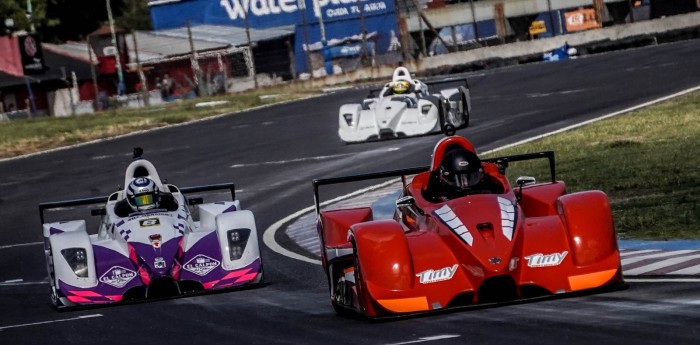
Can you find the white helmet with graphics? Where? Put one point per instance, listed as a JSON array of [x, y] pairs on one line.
[[142, 194]]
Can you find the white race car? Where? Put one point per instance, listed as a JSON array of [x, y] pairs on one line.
[[157, 252], [415, 111]]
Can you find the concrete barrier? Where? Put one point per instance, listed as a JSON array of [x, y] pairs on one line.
[[524, 49]]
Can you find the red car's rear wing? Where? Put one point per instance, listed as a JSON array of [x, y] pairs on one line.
[[501, 161], [103, 199]]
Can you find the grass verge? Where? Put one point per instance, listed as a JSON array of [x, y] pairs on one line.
[[19, 137], [646, 162]]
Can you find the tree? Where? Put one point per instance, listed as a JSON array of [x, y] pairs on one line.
[[15, 13], [58, 21]]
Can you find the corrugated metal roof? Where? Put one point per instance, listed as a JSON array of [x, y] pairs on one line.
[[152, 45], [224, 34], [164, 44], [76, 50]]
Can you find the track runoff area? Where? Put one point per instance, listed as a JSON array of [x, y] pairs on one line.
[[642, 261]]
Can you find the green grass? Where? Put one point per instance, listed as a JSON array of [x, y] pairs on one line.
[[31, 135], [646, 162]]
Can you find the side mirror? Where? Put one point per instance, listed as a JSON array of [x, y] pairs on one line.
[[405, 201], [525, 181], [408, 203]]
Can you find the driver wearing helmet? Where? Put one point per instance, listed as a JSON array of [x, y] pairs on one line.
[[142, 194], [460, 173], [400, 87]]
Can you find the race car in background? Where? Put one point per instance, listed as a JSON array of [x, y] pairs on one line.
[[523, 241], [417, 111], [154, 253]]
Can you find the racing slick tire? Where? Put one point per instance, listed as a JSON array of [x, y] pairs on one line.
[[465, 108], [55, 301], [447, 126]]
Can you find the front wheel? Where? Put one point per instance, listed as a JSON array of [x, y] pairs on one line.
[[55, 301]]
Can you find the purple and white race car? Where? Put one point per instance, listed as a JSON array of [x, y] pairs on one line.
[[182, 246]]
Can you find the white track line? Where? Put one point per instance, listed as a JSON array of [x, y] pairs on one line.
[[662, 280], [52, 321], [21, 245], [692, 270], [665, 98], [632, 260], [426, 339], [269, 234], [628, 253], [661, 264], [294, 160], [21, 282]]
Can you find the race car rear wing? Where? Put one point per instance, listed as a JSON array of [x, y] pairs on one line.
[[103, 199], [463, 81], [502, 162]]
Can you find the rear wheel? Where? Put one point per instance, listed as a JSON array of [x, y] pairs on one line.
[[465, 109]]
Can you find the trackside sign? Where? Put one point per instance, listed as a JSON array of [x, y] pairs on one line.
[[166, 14]]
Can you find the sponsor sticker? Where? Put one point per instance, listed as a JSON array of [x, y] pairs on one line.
[[155, 240], [118, 276], [144, 223], [201, 265], [434, 276], [545, 260], [159, 262]]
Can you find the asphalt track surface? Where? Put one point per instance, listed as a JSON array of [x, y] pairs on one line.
[[272, 154]]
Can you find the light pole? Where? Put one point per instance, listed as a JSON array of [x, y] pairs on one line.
[[327, 63], [121, 89], [250, 50], [29, 16]]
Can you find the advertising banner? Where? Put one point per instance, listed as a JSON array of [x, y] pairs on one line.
[[344, 37], [31, 54], [167, 14], [343, 21], [581, 20]]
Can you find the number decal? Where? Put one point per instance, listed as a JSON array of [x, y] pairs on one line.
[[149, 222]]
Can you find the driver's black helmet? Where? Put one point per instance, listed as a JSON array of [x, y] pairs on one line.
[[460, 169]]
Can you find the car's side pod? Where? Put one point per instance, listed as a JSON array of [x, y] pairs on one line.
[[382, 261], [589, 221], [241, 220], [334, 225], [383, 256]]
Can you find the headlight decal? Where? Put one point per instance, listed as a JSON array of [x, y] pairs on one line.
[[77, 260], [348, 119], [237, 241]]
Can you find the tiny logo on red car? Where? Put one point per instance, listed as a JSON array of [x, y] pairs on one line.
[[545, 260], [434, 276]]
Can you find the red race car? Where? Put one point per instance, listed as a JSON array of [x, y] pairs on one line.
[[462, 235]]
